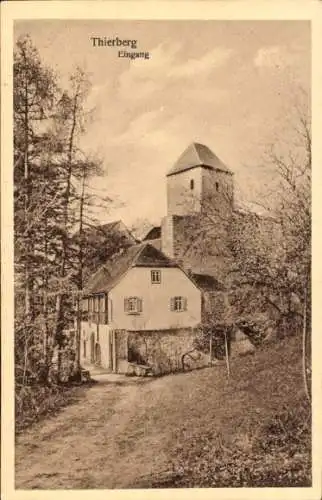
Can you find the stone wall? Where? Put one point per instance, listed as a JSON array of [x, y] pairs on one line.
[[196, 243], [184, 192], [166, 351]]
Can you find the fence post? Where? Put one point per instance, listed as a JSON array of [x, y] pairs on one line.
[[210, 349], [227, 353]]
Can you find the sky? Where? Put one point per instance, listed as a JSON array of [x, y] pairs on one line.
[[232, 85]]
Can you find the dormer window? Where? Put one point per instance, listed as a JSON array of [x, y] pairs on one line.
[[155, 276], [192, 184]]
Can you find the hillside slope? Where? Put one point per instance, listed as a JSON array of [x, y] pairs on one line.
[[187, 430], [251, 430]]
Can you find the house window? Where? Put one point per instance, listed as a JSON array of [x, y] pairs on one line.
[[133, 305], [84, 310], [217, 186], [102, 303], [110, 309], [192, 184], [90, 309], [155, 276], [178, 304], [102, 310]]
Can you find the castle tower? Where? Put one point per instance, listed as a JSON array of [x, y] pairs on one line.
[[199, 187], [199, 182]]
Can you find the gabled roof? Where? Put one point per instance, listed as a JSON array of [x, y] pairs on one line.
[[157, 243], [142, 255], [207, 282], [153, 234], [109, 226], [197, 155], [115, 227]]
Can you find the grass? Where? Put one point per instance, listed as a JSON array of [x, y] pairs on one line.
[[253, 430], [194, 429]]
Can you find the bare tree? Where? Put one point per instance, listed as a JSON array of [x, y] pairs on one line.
[[71, 119], [294, 212], [263, 259]]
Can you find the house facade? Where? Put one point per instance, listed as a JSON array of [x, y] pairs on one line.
[[139, 290]]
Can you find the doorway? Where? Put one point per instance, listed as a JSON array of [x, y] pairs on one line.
[[97, 354], [92, 348]]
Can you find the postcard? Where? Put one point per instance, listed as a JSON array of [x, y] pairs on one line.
[[161, 249]]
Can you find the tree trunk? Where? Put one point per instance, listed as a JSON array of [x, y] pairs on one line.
[[61, 293], [210, 349], [304, 348], [80, 271], [227, 354], [28, 243]]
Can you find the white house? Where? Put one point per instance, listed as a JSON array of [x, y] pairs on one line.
[[139, 290]]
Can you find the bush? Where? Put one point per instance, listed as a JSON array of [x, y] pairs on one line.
[[37, 401], [288, 429], [253, 329], [218, 331]]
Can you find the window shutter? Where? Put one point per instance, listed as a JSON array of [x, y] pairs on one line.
[[184, 303], [126, 305], [140, 305], [110, 311], [172, 304]]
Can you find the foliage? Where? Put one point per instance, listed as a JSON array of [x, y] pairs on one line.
[[34, 402], [254, 330], [218, 332]]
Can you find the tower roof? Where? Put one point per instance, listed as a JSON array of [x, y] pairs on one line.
[[198, 155]]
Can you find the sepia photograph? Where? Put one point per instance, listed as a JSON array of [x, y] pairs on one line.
[[162, 254]]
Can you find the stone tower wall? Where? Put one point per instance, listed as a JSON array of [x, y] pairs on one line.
[[184, 192], [217, 192]]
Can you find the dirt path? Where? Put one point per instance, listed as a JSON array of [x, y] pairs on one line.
[[103, 441]]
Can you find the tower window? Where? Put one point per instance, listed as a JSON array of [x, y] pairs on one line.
[[192, 184], [217, 186]]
